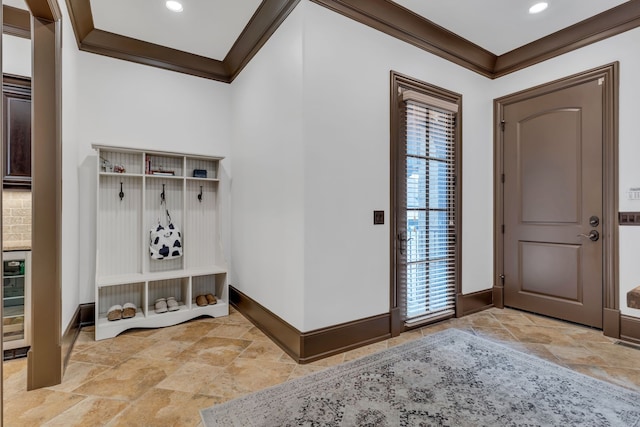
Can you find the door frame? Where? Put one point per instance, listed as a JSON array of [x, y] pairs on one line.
[[610, 74], [401, 81]]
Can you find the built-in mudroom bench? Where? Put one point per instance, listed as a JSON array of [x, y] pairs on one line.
[[159, 258]]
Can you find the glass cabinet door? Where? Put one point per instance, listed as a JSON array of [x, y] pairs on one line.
[[13, 301]]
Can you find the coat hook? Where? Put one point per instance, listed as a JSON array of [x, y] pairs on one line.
[[162, 199], [121, 193], [200, 195]]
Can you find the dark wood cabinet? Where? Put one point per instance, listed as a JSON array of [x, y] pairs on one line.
[[16, 138]]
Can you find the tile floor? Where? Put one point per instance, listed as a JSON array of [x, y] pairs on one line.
[[163, 377]]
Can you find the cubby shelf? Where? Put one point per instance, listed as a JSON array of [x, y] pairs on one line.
[[162, 275], [120, 174], [202, 179], [163, 177], [108, 329], [129, 204]]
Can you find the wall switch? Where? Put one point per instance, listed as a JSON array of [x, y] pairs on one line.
[[378, 217]]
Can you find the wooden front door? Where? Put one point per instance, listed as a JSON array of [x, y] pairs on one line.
[[553, 203]]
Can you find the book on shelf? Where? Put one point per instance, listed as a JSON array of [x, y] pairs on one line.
[[162, 172]]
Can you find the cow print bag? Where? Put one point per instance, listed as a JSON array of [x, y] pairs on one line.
[[165, 242]]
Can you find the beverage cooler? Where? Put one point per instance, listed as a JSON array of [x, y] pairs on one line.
[[16, 299]]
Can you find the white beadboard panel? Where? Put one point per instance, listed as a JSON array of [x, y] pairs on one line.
[[201, 239], [167, 163], [210, 284], [209, 165], [177, 288], [119, 225], [132, 162], [156, 211], [120, 294]]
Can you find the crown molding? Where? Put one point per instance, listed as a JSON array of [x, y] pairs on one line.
[[81, 19], [133, 50], [266, 20], [599, 27], [403, 24], [269, 15], [392, 19], [16, 22], [382, 15]]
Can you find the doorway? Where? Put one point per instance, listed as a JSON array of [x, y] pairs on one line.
[[43, 26], [556, 198], [425, 172]]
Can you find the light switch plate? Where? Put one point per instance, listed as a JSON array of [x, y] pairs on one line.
[[378, 217]]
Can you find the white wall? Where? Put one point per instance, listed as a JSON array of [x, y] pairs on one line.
[[311, 162], [114, 102], [347, 132], [619, 48], [268, 184], [75, 223], [16, 55]]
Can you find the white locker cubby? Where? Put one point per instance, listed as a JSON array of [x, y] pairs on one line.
[[129, 204]]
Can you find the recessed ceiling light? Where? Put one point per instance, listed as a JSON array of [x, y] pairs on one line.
[[174, 6], [538, 7]]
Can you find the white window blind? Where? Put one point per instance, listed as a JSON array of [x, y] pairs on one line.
[[430, 246], [432, 102]]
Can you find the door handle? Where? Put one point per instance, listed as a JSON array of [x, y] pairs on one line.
[[593, 236], [403, 242]]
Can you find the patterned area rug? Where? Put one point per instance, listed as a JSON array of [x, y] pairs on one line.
[[451, 378]]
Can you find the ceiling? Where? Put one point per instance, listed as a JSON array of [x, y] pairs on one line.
[[500, 26], [202, 36], [204, 27]]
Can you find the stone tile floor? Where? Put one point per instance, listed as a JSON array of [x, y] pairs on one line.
[[163, 377]]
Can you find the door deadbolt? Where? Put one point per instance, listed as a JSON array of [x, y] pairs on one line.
[[594, 221], [593, 235]]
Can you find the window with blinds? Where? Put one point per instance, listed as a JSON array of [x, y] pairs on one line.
[[429, 243]]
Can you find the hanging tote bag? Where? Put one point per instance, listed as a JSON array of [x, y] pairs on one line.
[[165, 242]]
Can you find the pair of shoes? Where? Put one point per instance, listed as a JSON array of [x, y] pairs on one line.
[[117, 312], [166, 304], [207, 299]]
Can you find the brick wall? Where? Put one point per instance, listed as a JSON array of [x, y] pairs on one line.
[[16, 219]]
